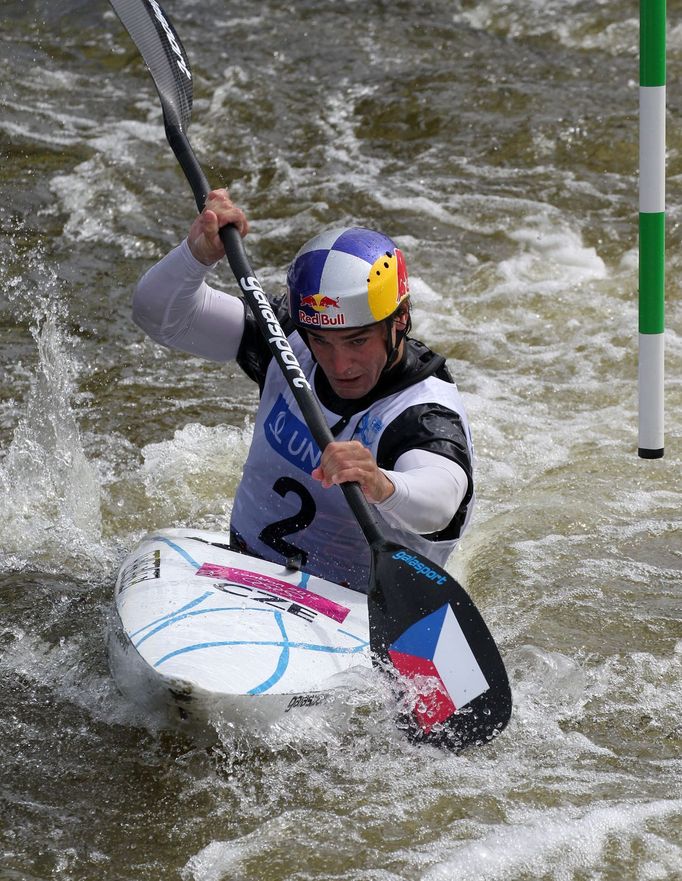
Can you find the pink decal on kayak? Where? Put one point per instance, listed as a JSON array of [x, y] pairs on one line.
[[278, 588]]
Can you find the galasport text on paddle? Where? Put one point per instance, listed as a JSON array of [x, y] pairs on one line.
[[422, 623]]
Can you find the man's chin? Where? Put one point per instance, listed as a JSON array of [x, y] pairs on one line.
[[349, 390]]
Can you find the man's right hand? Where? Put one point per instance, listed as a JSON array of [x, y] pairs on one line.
[[203, 239]]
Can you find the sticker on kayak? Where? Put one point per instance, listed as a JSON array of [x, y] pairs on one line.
[[277, 588], [144, 568]]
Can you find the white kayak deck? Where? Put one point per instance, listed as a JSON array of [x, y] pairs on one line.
[[205, 631]]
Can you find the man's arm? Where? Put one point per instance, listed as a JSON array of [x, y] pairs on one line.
[[428, 490], [421, 493], [176, 308], [425, 482]]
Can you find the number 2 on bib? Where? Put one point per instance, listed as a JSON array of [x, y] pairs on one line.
[[274, 534]]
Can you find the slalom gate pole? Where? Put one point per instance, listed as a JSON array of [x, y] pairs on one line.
[[652, 101]]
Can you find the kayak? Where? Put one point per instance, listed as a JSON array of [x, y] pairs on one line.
[[205, 636]]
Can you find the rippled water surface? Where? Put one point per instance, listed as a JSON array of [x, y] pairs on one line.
[[498, 142]]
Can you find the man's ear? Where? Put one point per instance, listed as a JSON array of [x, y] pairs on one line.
[[402, 316]]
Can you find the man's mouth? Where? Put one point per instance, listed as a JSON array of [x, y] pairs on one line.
[[346, 380]]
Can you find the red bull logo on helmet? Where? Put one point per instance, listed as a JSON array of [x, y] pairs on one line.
[[320, 304]]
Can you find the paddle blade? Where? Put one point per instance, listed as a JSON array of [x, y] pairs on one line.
[[163, 53], [425, 628]]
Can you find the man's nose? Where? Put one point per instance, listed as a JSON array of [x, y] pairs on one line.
[[341, 361]]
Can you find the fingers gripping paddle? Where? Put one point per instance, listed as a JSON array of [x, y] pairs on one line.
[[422, 623]]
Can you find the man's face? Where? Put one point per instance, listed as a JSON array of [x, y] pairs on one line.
[[352, 360]]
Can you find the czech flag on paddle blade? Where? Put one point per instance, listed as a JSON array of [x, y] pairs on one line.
[[437, 648]]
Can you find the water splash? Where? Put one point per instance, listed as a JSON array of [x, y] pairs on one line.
[[192, 477], [50, 491]]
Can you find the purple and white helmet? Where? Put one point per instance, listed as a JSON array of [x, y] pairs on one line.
[[346, 277]]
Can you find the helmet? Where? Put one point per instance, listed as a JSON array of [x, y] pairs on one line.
[[346, 277]]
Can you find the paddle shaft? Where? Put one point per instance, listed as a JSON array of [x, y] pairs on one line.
[[270, 327]]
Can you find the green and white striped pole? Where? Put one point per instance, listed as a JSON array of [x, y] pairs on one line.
[[651, 226]]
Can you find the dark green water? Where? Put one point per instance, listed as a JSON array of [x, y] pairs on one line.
[[498, 142]]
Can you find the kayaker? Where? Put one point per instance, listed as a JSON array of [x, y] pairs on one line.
[[398, 418]]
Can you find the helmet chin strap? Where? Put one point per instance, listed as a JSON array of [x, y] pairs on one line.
[[393, 345]]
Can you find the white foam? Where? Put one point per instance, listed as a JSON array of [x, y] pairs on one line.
[[552, 258], [559, 843], [569, 22], [86, 195], [193, 476]]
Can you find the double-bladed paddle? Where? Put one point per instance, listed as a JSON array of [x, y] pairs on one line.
[[422, 623]]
